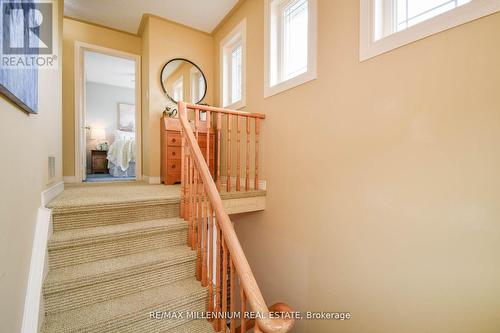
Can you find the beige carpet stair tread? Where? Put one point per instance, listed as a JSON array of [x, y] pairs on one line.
[[72, 237], [108, 269], [112, 194], [194, 326], [119, 311], [105, 196]]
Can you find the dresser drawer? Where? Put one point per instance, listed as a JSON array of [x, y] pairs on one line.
[[174, 166], [174, 153], [174, 139]]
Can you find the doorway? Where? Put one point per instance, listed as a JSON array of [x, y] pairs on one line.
[[108, 115]]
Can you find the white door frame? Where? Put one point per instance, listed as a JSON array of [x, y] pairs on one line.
[[80, 144]]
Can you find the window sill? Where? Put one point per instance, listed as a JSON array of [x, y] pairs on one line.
[[236, 106], [458, 16], [289, 84]]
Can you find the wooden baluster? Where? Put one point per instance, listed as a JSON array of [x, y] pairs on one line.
[[199, 230], [228, 155], [219, 127], [204, 235], [197, 199], [192, 189], [218, 279], [196, 123], [224, 283], [195, 220], [257, 138], [238, 152], [243, 297], [185, 168], [193, 202], [232, 294], [208, 140], [210, 215], [183, 181], [247, 176], [188, 197]]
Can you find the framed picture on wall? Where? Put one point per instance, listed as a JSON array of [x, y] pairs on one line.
[[19, 83], [126, 117]]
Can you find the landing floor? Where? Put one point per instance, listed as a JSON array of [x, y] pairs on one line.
[[89, 194]]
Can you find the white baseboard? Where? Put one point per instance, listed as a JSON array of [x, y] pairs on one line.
[[49, 194], [70, 179], [32, 315], [151, 180]]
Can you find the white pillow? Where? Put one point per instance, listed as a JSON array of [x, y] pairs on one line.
[[121, 135]]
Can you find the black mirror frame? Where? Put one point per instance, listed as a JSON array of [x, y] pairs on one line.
[[192, 63]]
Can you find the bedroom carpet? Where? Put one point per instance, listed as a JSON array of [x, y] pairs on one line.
[[106, 177], [117, 254]]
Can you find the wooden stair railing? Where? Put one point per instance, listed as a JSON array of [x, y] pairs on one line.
[[211, 232]]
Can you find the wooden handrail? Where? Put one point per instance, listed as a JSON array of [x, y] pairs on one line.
[[224, 111], [267, 323], [278, 308]]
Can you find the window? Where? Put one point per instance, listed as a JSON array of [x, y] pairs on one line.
[[290, 47], [178, 88], [388, 24], [397, 15], [197, 85], [233, 60]]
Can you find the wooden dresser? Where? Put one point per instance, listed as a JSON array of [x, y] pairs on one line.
[[170, 151]]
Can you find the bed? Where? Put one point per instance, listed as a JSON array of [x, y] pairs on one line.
[[121, 155]]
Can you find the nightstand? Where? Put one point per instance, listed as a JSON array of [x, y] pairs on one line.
[[99, 161]]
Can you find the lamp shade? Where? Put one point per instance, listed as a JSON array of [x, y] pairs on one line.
[[98, 134]]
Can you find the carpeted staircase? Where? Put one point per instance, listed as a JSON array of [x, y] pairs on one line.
[[114, 262]]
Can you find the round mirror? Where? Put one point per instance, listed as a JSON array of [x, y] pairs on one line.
[[182, 80]]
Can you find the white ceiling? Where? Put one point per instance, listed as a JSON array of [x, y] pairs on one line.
[[105, 69], [126, 14]]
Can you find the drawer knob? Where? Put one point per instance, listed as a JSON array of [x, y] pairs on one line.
[[173, 166], [173, 140], [173, 153]]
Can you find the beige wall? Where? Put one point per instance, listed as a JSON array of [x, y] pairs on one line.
[[383, 184], [165, 40], [96, 35], [27, 141]]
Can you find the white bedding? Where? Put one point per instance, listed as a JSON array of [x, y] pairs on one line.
[[122, 152]]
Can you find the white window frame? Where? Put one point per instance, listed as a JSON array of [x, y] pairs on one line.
[[178, 84], [311, 72], [195, 76], [237, 36], [369, 47]]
